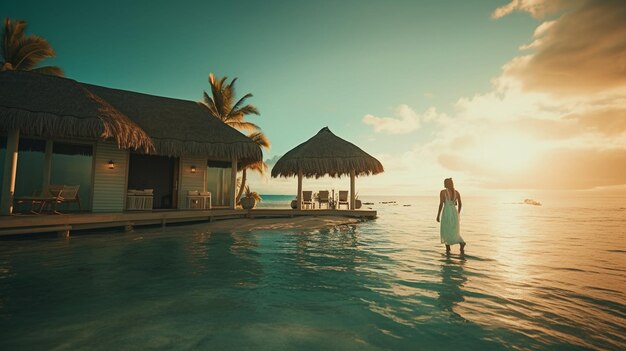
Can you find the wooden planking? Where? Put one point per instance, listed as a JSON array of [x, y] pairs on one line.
[[109, 185], [191, 181], [11, 225]]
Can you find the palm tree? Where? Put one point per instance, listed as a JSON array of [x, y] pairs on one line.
[[21, 52], [260, 139], [221, 105]]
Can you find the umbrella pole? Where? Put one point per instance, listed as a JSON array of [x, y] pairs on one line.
[[352, 197], [299, 196]]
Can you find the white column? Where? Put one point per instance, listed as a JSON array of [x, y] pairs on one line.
[[47, 165], [8, 175], [205, 175], [233, 183], [299, 196], [352, 197]]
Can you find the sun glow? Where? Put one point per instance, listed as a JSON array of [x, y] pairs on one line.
[[505, 152]]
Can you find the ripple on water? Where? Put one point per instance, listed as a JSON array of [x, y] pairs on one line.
[[532, 279]]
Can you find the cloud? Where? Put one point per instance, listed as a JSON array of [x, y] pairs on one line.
[[555, 117], [583, 168], [537, 8], [407, 120], [582, 51], [608, 122]]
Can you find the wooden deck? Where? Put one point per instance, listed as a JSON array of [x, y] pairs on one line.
[[64, 223]]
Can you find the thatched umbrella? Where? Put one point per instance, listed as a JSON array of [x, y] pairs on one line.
[[326, 154], [48, 106]]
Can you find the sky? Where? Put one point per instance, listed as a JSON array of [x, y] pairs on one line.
[[498, 94]]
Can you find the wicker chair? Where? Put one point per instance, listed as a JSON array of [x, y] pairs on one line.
[[343, 199], [323, 197]]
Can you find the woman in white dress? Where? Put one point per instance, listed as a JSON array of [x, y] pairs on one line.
[[450, 230]]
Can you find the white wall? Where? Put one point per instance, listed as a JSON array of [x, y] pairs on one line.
[[109, 185], [188, 180]]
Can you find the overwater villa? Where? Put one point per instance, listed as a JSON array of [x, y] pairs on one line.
[[114, 152]]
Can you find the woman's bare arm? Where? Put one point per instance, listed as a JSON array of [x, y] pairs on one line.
[[458, 197], [441, 199]]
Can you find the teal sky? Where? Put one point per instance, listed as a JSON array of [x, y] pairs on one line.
[[309, 64]]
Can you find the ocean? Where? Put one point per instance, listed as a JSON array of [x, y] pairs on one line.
[[549, 277]]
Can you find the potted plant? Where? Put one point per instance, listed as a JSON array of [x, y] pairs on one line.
[[249, 199]]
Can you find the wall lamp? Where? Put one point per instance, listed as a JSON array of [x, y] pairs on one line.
[[193, 169], [111, 164]]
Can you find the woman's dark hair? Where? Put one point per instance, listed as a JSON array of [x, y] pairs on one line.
[[449, 184]]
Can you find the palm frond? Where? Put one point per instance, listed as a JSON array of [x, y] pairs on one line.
[[241, 101], [259, 167], [24, 52], [210, 105], [32, 50], [220, 104], [243, 125], [247, 110], [260, 139]]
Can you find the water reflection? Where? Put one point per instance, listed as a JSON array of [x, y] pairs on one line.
[[226, 258], [453, 279]]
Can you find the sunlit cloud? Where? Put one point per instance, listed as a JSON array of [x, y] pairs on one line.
[[406, 120], [537, 8], [555, 118], [580, 52]]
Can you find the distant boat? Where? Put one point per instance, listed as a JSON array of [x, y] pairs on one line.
[[532, 202]]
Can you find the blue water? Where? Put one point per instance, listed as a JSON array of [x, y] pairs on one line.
[[549, 277]]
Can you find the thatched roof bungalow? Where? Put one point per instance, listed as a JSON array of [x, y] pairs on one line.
[[129, 138], [326, 154]]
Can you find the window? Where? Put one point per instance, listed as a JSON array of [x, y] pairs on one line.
[[72, 164], [30, 165]]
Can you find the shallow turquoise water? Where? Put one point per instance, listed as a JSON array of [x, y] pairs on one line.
[[546, 278]]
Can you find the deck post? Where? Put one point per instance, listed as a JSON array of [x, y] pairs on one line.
[[47, 165], [233, 184], [352, 196], [299, 196], [9, 171]]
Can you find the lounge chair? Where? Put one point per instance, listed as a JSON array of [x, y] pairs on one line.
[[307, 199], [50, 194], [343, 199], [68, 195], [322, 197]]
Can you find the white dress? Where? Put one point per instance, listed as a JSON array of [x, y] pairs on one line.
[[450, 227]]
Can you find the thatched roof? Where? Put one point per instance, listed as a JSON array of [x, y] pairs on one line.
[[180, 127], [326, 154], [49, 106], [42, 105]]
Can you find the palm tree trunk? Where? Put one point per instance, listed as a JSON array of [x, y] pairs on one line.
[[242, 187]]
